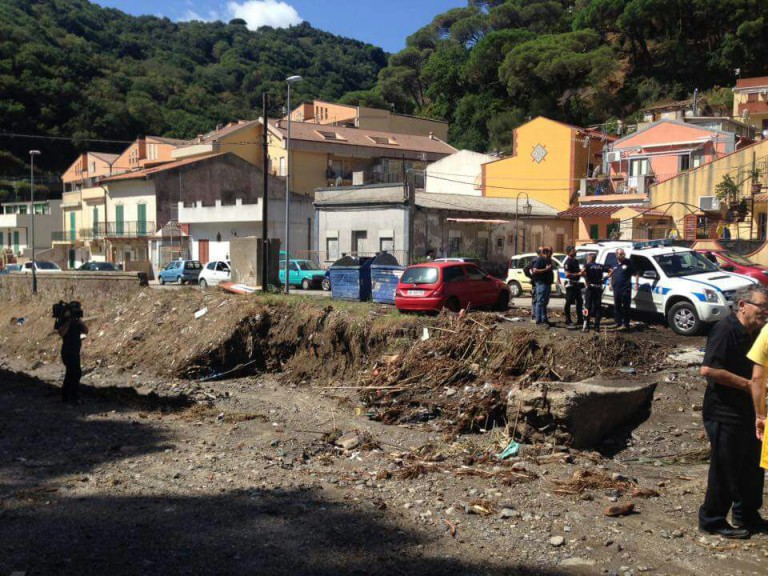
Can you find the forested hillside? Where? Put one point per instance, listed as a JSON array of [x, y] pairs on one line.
[[488, 67], [72, 68]]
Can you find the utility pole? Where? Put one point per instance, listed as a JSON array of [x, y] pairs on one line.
[[32, 154], [265, 199]]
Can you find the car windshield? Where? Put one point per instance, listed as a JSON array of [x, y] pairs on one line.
[[46, 266], [678, 264], [421, 275], [581, 256], [308, 266], [740, 260]]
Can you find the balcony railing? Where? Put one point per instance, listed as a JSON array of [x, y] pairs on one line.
[[603, 186], [132, 229]]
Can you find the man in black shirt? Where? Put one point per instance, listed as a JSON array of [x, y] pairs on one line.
[[69, 329], [543, 277], [593, 274], [621, 282], [573, 286], [735, 479]]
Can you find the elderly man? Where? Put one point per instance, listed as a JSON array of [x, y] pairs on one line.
[[735, 480]]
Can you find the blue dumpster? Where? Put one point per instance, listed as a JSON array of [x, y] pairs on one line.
[[351, 278], [385, 274]]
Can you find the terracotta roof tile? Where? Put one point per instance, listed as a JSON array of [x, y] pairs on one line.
[[756, 82]]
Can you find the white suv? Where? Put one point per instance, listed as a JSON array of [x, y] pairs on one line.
[[678, 283]]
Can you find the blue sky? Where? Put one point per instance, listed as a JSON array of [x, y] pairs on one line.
[[384, 23]]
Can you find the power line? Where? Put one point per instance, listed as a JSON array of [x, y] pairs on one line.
[[64, 138]]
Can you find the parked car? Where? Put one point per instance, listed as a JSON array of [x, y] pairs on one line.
[[431, 286], [460, 259], [10, 268], [40, 266], [731, 262], [181, 272], [677, 283], [518, 282], [302, 273], [214, 272], [99, 267]]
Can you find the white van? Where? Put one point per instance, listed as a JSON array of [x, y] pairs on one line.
[[678, 283]]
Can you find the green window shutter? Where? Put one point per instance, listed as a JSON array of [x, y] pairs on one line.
[[95, 221], [72, 224], [594, 231], [142, 224], [119, 220]]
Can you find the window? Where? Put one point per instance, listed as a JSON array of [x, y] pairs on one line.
[[282, 171], [638, 167], [382, 140], [329, 135], [222, 267], [332, 248], [474, 273], [359, 238], [610, 259], [421, 275], [210, 265], [386, 244], [454, 246], [594, 231], [752, 97], [642, 264], [453, 274], [294, 267], [685, 163], [612, 230]]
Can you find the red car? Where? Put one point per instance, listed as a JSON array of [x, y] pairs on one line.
[[454, 285], [730, 262]]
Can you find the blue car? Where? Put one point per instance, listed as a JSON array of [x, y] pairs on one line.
[[181, 272]]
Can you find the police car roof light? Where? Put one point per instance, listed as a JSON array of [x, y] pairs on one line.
[[652, 243]]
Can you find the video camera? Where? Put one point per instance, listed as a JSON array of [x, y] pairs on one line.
[[61, 308]]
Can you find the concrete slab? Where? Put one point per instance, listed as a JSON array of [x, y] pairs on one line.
[[580, 414]]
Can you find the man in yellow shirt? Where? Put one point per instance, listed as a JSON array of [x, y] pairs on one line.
[[735, 480]]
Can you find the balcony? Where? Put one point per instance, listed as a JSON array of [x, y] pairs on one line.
[[615, 188], [138, 229]]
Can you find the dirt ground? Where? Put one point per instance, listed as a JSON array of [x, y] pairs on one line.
[[162, 471]]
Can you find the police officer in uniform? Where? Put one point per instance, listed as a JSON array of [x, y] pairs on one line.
[[593, 274], [621, 282], [573, 287]]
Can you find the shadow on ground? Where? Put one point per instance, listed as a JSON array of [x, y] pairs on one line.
[[41, 439], [257, 532]]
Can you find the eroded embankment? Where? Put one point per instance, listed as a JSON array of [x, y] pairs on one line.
[[459, 371]]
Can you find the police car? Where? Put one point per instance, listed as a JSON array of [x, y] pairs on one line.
[[676, 282]]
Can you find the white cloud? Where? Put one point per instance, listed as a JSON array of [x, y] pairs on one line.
[[265, 13]]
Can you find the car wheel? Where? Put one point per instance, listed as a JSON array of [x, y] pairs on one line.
[[515, 289], [502, 303], [305, 285], [683, 319], [453, 304], [203, 284], [161, 280], [179, 281], [326, 284]]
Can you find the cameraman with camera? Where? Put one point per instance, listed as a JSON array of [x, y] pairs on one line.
[[70, 326]]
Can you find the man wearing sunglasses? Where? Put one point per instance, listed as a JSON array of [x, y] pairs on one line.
[[735, 480]]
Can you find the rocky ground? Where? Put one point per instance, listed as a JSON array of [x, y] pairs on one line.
[[273, 474]]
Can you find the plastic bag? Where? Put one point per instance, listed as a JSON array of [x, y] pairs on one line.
[[764, 454]]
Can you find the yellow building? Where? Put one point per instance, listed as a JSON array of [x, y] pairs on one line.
[[328, 113], [242, 138], [547, 163], [750, 102], [691, 197], [323, 156], [88, 167]]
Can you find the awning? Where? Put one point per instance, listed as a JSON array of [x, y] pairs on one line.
[[477, 221], [591, 211]]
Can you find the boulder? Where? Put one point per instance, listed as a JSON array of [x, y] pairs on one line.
[[579, 414]]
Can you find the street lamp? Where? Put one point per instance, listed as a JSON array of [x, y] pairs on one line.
[[290, 80], [527, 208], [32, 154]]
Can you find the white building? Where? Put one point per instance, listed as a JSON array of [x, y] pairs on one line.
[[16, 225], [211, 228], [459, 173]]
